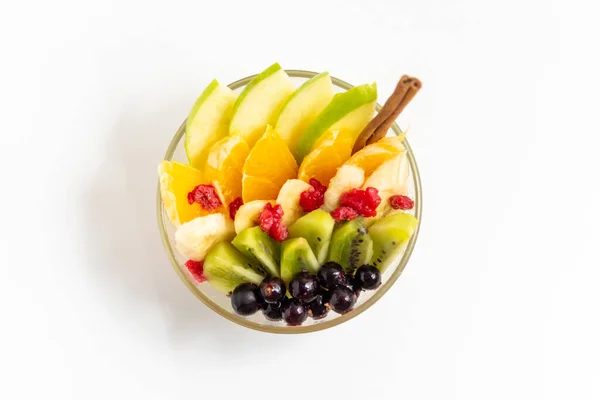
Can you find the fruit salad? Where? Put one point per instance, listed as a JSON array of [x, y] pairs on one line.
[[294, 200]]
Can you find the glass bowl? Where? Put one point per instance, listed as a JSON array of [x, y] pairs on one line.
[[221, 304]]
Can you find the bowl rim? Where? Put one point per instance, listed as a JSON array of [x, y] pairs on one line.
[[284, 329]]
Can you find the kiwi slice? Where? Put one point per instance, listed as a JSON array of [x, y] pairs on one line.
[[225, 268], [259, 247], [351, 246], [297, 256], [316, 227], [390, 234]]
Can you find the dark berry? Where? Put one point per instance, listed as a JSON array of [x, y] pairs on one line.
[[342, 299], [246, 299], [351, 284], [367, 277], [400, 202], [318, 308], [272, 290], [295, 312], [273, 312], [326, 295], [331, 274], [304, 287]]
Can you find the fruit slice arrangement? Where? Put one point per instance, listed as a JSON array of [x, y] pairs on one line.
[[293, 201]]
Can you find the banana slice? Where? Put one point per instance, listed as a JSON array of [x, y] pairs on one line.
[[289, 199], [391, 174], [195, 238], [347, 177], [247, 214], [389, 179]]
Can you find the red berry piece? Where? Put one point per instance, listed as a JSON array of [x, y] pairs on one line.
[[234, 206], [313, 198], [206, 196], [310, 200], [278, 231], [196, 268], [400, 202], [278, 211], [344, 214], [270, 222], [266, 217], [365, 202], [318, 186]]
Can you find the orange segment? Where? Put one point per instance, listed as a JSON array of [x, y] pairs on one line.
[[331, 151], [224, 165], [268, 166], [373, 155], [176, 181]]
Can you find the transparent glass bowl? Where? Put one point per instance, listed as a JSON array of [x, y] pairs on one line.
[[220, 303]]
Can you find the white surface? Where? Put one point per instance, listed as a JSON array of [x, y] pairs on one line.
[[500, 300]]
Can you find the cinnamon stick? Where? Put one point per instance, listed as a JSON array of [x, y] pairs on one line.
[[377, 128], [382, 130]]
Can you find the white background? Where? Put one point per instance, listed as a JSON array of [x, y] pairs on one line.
[[501, 299]]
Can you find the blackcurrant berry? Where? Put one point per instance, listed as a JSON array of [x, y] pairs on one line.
[[331, 274], [304, 287], [246, 299], [295, 312], [272, 290], [341, 299]]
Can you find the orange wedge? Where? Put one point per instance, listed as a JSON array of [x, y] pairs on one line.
[[176, 181], [373, 155], [268, 166], [223, 168], [329, 153]]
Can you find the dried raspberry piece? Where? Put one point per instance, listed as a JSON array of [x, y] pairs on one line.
[[344, 213], [317, 185], [206, 196], [278, 231], [270, 221], [266, 217], [364, 202], [196, 268], [313, 198], [400, 202], [278, 211], [234, 206]]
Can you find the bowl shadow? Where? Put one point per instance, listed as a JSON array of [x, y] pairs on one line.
[[127, 259]]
